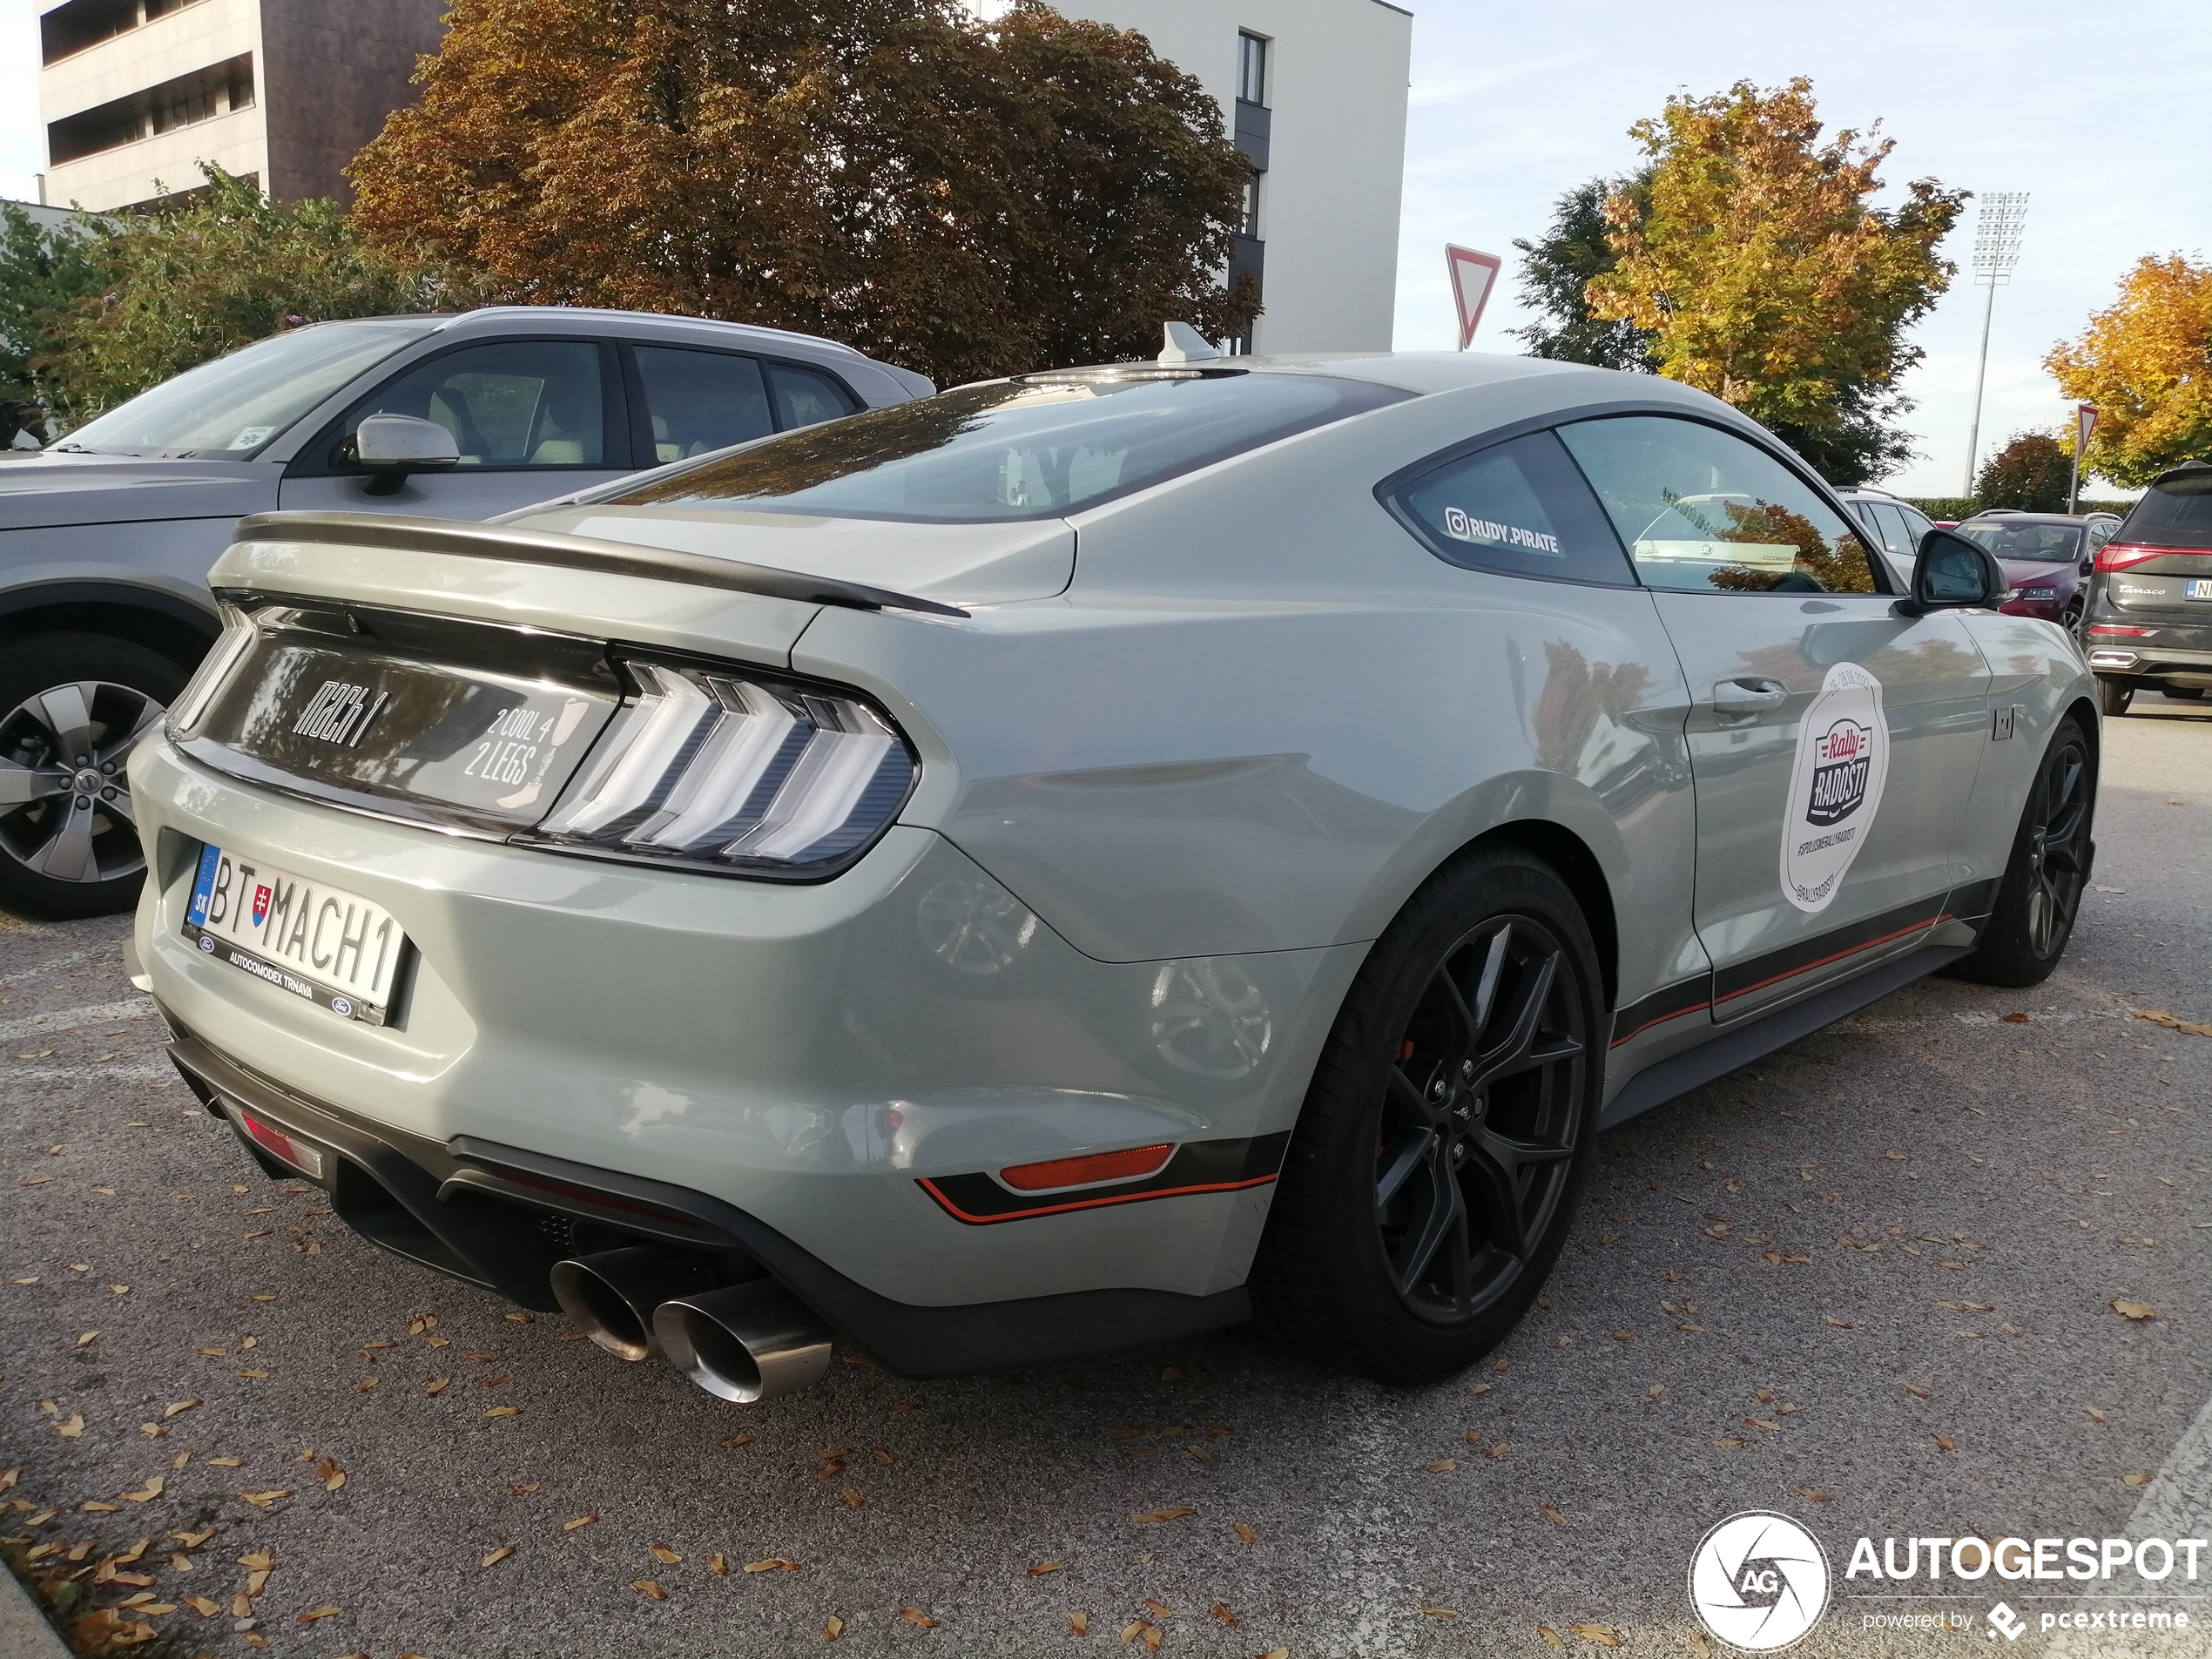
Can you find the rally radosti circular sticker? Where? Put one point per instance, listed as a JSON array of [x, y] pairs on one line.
[[1835, 785]]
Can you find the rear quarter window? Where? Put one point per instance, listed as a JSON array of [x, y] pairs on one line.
[[2174, 512], [1515, 509]]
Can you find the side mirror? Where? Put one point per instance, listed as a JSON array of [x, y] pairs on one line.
[[392, 446], [1954, 573]]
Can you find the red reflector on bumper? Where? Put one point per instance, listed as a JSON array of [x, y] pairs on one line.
[[279, 1145], [1137, 1162], [2105, 630]]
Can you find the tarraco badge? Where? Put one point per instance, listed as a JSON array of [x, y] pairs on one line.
[[1835, 787]]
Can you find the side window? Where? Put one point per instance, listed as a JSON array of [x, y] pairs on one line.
[[699, 401], [803, 398], [1917, 524], [1701, 508], [516, 403], [2100, 531], [1517, 508]]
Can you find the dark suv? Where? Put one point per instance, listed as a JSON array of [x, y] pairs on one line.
[[2149, 626]]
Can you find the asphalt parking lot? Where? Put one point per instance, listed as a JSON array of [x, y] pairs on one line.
[[1869, 1283]]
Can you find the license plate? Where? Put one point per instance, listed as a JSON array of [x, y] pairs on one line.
[[2201, 588], [322, 944]]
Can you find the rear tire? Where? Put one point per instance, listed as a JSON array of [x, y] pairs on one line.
[[1448, 1132], [72, 706], [2041, 894], [2113, 696], [2182, 694]]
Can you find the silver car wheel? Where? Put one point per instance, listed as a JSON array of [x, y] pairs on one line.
[[64, 800]]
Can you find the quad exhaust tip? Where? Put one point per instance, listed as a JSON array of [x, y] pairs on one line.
[[612, 1295], [745, 1343]]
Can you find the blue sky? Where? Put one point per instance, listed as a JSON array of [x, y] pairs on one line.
[[2097, 112]]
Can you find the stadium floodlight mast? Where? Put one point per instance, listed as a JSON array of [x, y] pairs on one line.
[[1998, 227]]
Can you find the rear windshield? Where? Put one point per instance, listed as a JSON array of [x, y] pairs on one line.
[[2176, 513], [1034, 448], [2053, 543]]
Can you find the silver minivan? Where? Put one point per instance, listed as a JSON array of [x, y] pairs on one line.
[[105, 538]]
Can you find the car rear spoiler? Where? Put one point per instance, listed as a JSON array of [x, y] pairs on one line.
[[577, 553]]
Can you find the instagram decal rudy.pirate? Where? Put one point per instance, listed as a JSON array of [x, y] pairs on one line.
[[1836, 785]]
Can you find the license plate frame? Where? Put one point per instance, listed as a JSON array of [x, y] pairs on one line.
[[233, 902]]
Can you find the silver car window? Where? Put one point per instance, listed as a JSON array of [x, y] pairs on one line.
[[511, 403], [1027, 448], [699, 401], [236, 403], [1517, 509], [1699, 508]]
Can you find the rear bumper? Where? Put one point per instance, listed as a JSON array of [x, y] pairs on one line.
[[804, 1056], [2149, 663], [500, 1217]]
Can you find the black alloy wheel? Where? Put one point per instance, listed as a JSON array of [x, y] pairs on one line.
[[76, 706], [1479, 1118], [1432, 1179], [2041, 894]]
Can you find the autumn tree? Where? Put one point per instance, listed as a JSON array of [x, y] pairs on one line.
[[967, 198], [2033, 473], [2146, 362], [1557, 269], [1755, 261]]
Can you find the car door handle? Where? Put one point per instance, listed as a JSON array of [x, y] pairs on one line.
[[1749, 696]]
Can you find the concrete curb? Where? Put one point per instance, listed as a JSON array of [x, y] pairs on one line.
[[25, 1633]]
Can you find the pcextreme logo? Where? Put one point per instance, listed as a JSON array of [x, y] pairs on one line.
[[1758, 1581]]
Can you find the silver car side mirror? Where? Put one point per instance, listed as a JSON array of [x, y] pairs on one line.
[[392, 446], [1952, 572]]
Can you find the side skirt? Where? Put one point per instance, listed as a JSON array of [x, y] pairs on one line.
[[1738, 1046]]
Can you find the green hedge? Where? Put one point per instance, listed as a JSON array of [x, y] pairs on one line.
[[1955, 507]]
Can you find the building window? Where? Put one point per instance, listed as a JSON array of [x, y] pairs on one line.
[[1252, 69], [81, 23], [185, 101], [1251, 205]]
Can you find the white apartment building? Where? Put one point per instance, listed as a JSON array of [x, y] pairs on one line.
[[136, 93], [1314, 91]]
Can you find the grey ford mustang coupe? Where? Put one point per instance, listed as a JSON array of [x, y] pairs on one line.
[[1081, 859]]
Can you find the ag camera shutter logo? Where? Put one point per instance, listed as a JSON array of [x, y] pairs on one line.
[[1758, 1581]]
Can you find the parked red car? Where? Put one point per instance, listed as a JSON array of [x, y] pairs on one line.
[[2047, 556]]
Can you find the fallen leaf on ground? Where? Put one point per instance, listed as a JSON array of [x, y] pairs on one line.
[[504, 1411], [1552, 1637], [263, 1500], [647, 1587], [438, 1385], [88, 1339], [319, 1613], [581, 1521], [201, 1605], [2128, 1309], [1078, 1624], [1499, 1449], [1157, 1515], [740, 1440], [182, 1405], [1555, 1515], [915, 1616], [1656, 1391], [70, 1428], [852, 1499], [1043, 1568], [1244, 1532], [1602, 1635], [834, 1629], [1441, 1612], [1443, 1466], [145, 1493], [2096, 1416], [1809, 1495], [1221, 1611], [1944, 1443], [664, 1555], [2136, 1479], [774, 1564], [497, 1555]]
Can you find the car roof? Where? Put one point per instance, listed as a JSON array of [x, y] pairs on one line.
[[2020, 515], [588, 319]]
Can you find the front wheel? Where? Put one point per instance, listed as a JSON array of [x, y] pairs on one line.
[[2113, 696], [2040, 894], [76, 706], [1432, 1180]]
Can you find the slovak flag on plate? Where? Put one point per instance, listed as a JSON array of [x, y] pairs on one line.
[[260, 906]]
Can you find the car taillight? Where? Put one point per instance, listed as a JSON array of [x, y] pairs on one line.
[[2108, 631], [729, 771], [282, 1147], [2119, 556]]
